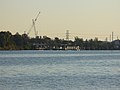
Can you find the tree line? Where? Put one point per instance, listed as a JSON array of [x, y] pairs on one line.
[[23, 42]]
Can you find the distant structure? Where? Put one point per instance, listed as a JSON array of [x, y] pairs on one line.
[[117, 38], [67, 35], [112, 36], [33, 26], [106, 39]]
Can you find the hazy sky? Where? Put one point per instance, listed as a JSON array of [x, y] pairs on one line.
[[84, 18]]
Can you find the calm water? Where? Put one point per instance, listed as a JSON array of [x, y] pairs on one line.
[[59, 70]]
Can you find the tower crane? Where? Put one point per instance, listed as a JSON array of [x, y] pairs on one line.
[[33, 25]]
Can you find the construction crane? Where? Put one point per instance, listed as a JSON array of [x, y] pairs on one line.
[[33, 26]]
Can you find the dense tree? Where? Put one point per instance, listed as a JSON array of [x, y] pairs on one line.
[[5, 40], [79, 42], [26, 42], [18, 42]]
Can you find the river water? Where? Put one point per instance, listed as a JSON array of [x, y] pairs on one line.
[[59, 70]]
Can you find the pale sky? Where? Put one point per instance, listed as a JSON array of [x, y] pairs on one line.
[[83, 18]]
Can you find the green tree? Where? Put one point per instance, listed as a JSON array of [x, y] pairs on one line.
[[79, 42], [5, 40], [18, 41]]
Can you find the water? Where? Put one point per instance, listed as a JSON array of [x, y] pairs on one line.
[[59, 70]]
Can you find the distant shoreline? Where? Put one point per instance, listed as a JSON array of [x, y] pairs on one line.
[[24, 42]]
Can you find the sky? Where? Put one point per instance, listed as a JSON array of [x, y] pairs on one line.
[[83, 18]]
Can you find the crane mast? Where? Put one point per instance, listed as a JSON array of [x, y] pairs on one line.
[[33, 25]]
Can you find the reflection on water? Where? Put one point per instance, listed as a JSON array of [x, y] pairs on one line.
[[59, 70]]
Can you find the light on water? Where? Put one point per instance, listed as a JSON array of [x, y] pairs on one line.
[[59, 70]]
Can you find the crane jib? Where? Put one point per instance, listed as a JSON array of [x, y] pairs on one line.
[[33, 25]]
